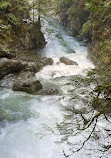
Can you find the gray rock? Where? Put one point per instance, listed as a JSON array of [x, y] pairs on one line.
[[32, 67], [39, 64], [44, 61], [27, 82], [34, 38], [8, 66], [31, 87], [67, 61]]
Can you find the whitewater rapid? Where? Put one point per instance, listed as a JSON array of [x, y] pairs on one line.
[[31, 131], [61, 45]]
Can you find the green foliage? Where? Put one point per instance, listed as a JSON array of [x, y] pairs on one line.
[[12, 18], [4, 29], [106, 50], [98, 29], [11, 15], [42, 6], [87, 29], [4, 4], [100, 14], [73, 14]]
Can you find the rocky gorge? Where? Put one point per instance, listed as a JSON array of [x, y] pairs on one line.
[[53, 103]]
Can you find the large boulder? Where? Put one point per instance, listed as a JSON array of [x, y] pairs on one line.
[[32, 67], [27, 82], [44, 61], [34, 38], [67, 61], [39, 64], [8, 66], [31, 87]]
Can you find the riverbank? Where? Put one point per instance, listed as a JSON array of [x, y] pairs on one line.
[[86, 21], [41, 125], [91, 25]]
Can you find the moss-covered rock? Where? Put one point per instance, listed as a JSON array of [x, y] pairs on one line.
[[31, 87]]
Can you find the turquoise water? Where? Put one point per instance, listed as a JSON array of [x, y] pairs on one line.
[[31, 130]]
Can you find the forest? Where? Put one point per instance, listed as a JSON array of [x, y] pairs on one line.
[[55, 78]]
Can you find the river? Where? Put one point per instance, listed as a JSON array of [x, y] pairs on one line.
[[32, 130]]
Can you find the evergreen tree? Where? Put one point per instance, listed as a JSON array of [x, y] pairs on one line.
[[41, 6], [12, 14]]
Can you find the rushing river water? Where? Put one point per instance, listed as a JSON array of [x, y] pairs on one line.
[[32, 130]]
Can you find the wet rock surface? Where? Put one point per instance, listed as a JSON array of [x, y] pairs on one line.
[[31, 87], [44, 61], [27, 82], [23, 69], [8, 66], [67, 61]]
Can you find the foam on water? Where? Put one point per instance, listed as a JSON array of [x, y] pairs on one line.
[[28, 133], [61, 45], [31, 131]]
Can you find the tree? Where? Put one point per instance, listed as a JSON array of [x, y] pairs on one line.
[[12, 14], [41, 6]]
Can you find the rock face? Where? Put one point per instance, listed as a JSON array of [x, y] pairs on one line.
[[67, 61], [8, 66], [27, 82], [34, 38], [32, 67], [73, 20]]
